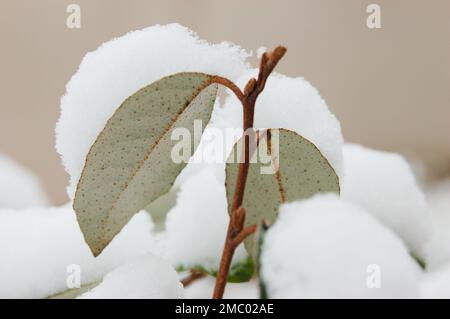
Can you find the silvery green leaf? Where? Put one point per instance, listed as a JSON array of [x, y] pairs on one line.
[[130, 163], [284, 167]]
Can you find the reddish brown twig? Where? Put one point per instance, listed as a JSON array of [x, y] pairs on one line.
[[235, 236], [230, 85], [247, 231], [193, 276], [235, 233]]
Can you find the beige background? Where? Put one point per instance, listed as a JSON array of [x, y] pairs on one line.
[[389, 87]]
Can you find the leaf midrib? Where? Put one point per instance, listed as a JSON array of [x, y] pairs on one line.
[[148, 153]]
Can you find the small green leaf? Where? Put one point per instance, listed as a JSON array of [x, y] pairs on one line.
[[420, 261], [130, 163], [303, 171], [240, 272]]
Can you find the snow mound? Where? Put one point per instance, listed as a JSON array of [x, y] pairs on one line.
[[436, 284], [324, 247], [148, 277], [438, 250], [118, 68], [383, 184], [292, 103], [203, 289], [38, 246], [197, 225], [19, 187]]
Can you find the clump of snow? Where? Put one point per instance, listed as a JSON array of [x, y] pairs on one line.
[[292, 103], [260, 51], [325, 247], [438, 250], [148, 277], [38, 246], [196, 226], [203, 289], [436, 284], [118, 68], [214, 148], [383, 184], [19, 187]]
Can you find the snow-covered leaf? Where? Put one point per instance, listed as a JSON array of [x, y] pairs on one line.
[[302, 172], [130, 164], [117, 68], [296, 105]]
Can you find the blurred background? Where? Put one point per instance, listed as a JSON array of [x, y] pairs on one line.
[[389, 87]]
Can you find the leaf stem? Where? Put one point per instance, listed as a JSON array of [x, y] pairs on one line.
[[230, 85], [236, 232], [193, 276], [247, 231]]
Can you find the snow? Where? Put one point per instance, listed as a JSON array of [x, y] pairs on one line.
[[118, 68], [38, 245], [214, 148], [148, 277], [438, 250], [383, 184], [260, 51], [436, 285], [336, 240], [325, 247], [292, 103], [197, 224], [203, 289], [19, 187]]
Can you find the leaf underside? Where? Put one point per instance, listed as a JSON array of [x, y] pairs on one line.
[[130, 164], [303, 172]]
